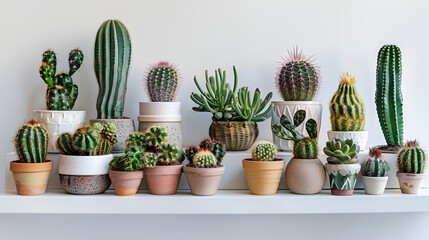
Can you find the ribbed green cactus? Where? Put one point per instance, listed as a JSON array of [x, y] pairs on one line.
[[341, 152], [190, 152], [388, 94], [86, 141], [306, 148], [162, 82], [136, 139], [298, 79], [411, 158], [347, 107], [149, 159], [216, 147], [264, 151], [169, 154], [61, 93], [105, 147], [156, 136], [131, 161], [204, 158], [31, 143], [112, 61], [64, 144], [375, 166]]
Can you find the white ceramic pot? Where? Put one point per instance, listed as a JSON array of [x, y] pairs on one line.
[[410, 183], [59, 122], [360, 137], [374, 185], [289, 108], [163, 114], [84, 165]]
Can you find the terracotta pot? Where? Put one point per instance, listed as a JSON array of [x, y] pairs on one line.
[[342, 177], [410, 183], [126, 183], [359, 137], [31, 178], [163, 180], [203, 181], [237, 135], [305, 176], [374, 185], [263, 177], [124, 126]]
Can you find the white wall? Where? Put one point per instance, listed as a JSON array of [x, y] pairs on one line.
[[202, 34]]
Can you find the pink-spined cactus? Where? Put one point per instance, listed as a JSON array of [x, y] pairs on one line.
[[163, 80]]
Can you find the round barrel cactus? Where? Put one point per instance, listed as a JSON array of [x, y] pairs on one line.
[[86, 141], [264, 151], [411, 158], [31, 143], [216, 147], [306, 148], [375, 166], [204, 158]]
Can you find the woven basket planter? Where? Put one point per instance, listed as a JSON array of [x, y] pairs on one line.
[[237, 135]]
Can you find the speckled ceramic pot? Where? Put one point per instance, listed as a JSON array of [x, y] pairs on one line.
[[342, 177], [124, 126], [84, 174]]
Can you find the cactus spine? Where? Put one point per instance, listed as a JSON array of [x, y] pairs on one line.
[[214, 146], [169, 154], [347, 107], [204, 158], [112, 61], [162, 82], [31, 143], [64, 144], [264, 151], [411, 158], [375, 166], [388, 94]]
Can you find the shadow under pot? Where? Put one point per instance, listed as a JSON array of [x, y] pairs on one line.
[[342, 178], [124, 126], [305, 176], [31, 178], [203, 181], [163, 180], [410, 183], [237, 135], [126, 183], [85, 175], [263, 177]]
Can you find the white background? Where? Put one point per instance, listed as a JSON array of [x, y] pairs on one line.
[[200, 34]]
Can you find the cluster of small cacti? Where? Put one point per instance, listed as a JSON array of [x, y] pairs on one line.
[[299, 77], [341, 152], [88, 140], [133, 160], [411, 158], [162, 82], [112, 61], [375, 166], [31, 143], [62, 92], [347, 107], [209, 154], [304, 147], [264, 151]]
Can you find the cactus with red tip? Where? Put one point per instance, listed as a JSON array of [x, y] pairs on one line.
[[162, 82]]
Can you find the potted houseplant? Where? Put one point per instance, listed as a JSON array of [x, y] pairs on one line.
[[61, 96], [304, 173], [163, 177], [411, 167], [298, 81], [263, 171], [388, 97], [375, 171], [205, 168], [342, 166], [235, 114], [85, 157], [348, 113], [112, 61], [31, 171], [162, 82]]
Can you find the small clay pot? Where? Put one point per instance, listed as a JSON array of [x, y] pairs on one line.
[[305, 176], [163, 180], [374, 185], [203, 181], [410, 183], [263, 177], [126, 183], [31, 178], [342, 177]]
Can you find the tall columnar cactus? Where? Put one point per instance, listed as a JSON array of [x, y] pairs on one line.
[[375, 166], [86, 141], [264, 151], [411, 158], [112, 61], [31, 143], [347, 107], [162, 82], [388, 94], [204, 158], [341, 152], [216, 147], [299, 77], [62, 92]]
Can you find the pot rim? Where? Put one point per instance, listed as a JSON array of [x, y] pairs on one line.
[[160, 118], [263, 165], [376, 178], [84, 165], [296, 102], [410, 175], [60, 111], [225, 121], [111, 119], [204, 171], [19, 167], [126, 174], [164, 170], [344, 132]]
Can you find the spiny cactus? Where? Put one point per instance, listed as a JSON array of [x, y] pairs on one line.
[[388, 94], [299, 77], [411, 158], [169, 154], [149, 159], [249, 109], [190, 152], [136, 139], [216, 147], [61, 93], [112, 61], [341, 152], [105, 147], [204, 158], [131, 161], [107, 132], [31, 143], [306, 148], [375, 166], [347, 107], [64, 144], [86, 141], [264, 151], [162, 82], [156, 136]]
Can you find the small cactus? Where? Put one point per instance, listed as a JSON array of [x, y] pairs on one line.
[[162, 82], [204, 158], [137, 139], [375, 166], [190, 152], [306, 148], [264, 151], [31, 143], [131, 161], [86, 141], [149, 159], [169, 154], [411, 158], [156, 136], [105, 147], [214, 146], [64, 144], [341, 152]]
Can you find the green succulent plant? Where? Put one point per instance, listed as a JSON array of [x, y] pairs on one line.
[[341, 152]]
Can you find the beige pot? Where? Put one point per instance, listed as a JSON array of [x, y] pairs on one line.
[[126, 183], [163, 180], [305, 176], [410, 183], [237, 135], [31, 178], [203, 181], [263, 177]]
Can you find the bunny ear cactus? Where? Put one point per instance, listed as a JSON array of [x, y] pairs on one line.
[[31, 143], [375, 166], [204, 159], [162, 82], [411, 158], [347, 107], [341, 152], [264, 151]]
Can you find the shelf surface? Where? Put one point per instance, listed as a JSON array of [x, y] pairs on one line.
[[224, 202]]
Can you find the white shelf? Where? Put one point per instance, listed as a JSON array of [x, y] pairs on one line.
[[224, 202]]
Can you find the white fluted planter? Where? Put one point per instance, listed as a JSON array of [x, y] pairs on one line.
[[359, 137]]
